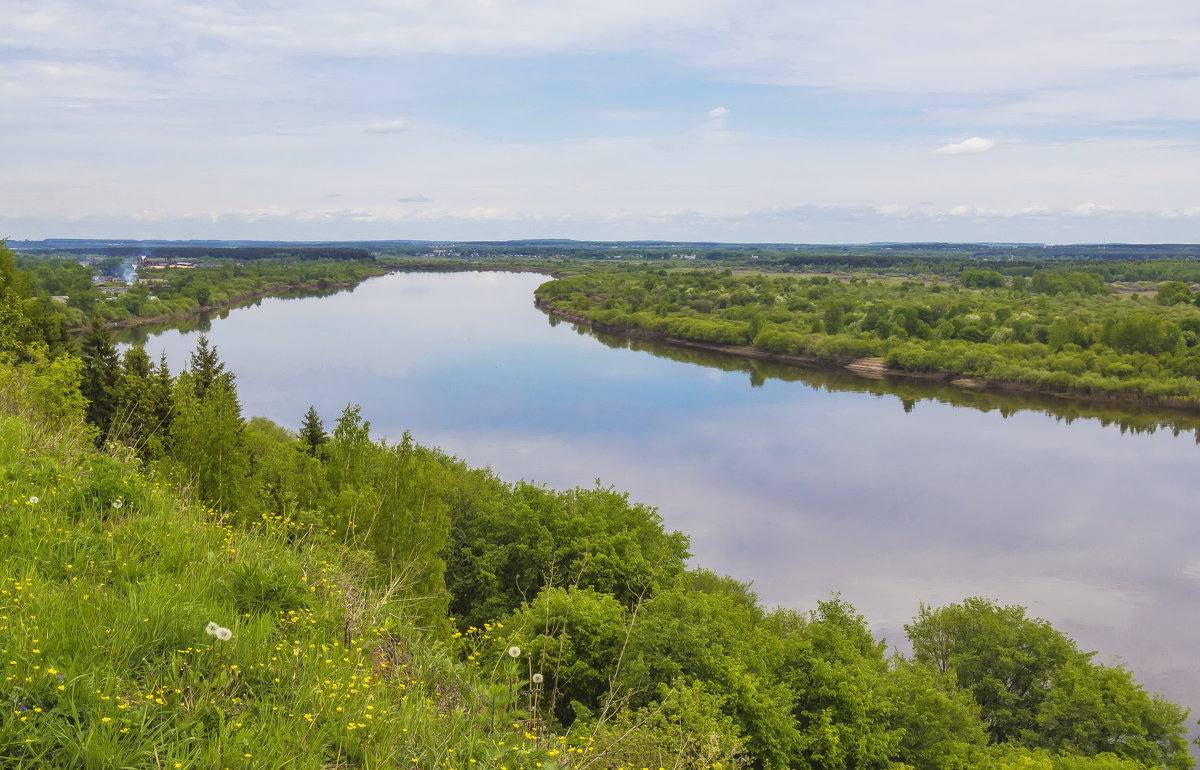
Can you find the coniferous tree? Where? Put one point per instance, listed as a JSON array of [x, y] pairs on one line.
[[207, 441], [161, 387], [143, 404], [312, 432], [100, 375], [206, 369]]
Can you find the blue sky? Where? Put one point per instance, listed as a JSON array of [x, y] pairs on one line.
[[737, 120]]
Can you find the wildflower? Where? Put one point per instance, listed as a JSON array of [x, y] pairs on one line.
[[224, 634], [514, 652], [538, 678], [118, 503], [211, 629], [33, 500]]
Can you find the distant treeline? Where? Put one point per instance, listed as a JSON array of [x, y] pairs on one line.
[[240, 253]]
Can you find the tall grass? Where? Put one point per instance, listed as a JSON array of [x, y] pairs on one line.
[[108, 581]]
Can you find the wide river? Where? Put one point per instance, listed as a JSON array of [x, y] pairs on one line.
[[805, 483]]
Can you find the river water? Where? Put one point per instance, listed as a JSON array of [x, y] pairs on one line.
[[804, 482]]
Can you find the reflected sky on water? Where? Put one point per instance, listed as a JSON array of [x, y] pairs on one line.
[[804, 482]]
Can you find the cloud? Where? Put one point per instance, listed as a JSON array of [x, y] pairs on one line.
[[415, 198], [718, 113], [387, 127], [974, 144]]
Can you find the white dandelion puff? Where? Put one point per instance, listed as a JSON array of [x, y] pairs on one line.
[[211, 629], [514, 652], [224, 634], [33, 500], [538, 678], [118, 503]]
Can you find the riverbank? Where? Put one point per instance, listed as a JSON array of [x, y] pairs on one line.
[[474, 268], [132, 321], [875, 368]]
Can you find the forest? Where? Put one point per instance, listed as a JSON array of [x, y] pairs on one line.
[[186, 586], [1061, 330]]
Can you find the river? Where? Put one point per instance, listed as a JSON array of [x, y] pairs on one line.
[[804, 482]]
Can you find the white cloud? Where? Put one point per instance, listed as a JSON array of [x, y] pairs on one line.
[[1089, 209], [972, 145], [718, 113], [387, 127]]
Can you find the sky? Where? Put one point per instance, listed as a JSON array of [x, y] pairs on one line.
[[727, 120]]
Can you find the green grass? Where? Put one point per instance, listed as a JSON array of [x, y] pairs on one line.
[[107, 663]]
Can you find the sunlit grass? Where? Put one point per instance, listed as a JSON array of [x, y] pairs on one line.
[[107, 662]]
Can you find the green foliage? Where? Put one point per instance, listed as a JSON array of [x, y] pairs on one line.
[[1034, 687], [685, 636], [1004, 658], [981, 279], [686, 727], [574, 639], [508, 542], [312, 432], [100, 374], [839, 676], [939, 723], [208, 452], [1174, 292], [1093, 709], [1053, 282], [274, 588], [1074, 336]]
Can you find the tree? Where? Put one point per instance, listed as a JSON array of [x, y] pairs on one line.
[[100, 375], [1092, 709], [312, 432], [14, 289], [206, 369], [838, 677], [697, 631], [939, 723], [1174, 292], [1005, 659], [574, 636], [206, 432]]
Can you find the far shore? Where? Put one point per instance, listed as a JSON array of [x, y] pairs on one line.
[[874, 368]]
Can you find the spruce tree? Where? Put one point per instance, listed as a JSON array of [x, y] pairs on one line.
[[206, 369], [207, 432], [100, 375], [312, 432]]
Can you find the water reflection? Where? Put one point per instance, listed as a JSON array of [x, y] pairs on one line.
[[909, 391], [805, 481], [202, 322]]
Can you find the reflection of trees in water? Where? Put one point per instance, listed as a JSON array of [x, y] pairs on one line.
[[202, 321], [911, 392]]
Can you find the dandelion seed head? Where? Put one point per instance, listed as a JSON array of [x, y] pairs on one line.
[[33, 500], [514, 652], [118, 503], [224, 634], [211, 629], [538, 678]]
